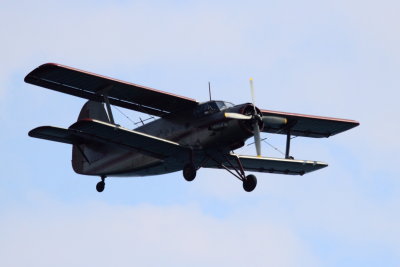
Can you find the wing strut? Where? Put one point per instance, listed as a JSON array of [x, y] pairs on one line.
[[109, 111], [104, 92], [288, 136]]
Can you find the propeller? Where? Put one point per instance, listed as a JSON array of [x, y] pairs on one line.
[[255, 119]]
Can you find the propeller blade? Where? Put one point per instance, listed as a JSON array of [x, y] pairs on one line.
[[256, 126], [237, 116], [252, 94], [257, 138]]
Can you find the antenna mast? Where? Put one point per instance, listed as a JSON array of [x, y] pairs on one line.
[[209, 89]]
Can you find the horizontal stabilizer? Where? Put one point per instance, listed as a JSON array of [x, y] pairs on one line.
[[270, 165], [89, 130], [54, 134]]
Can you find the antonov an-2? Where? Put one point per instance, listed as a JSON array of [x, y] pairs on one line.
[[187, 136]]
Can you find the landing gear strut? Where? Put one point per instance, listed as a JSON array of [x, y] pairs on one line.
[[100, 185], [249, 181], [189, 172]]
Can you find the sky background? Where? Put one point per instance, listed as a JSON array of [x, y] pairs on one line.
[[329, 58]]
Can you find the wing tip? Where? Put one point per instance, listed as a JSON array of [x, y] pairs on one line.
[[30, 77], [35, 131]]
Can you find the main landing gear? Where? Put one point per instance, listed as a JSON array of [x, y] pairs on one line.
[[189, 172], [249, 181], [100, 185]]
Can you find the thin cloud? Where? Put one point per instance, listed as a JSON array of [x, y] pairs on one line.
[[146, 236]]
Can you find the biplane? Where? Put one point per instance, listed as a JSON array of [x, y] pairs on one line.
[[186, 136]]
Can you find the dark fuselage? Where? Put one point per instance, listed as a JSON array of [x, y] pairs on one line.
[[203, 130]]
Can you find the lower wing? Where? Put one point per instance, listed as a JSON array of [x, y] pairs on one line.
[[268, 165]]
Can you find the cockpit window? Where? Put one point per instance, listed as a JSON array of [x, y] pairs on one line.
[[206, 109], [223, 105], [211, 107]]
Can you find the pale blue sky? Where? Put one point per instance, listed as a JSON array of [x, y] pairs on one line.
[[329, 58]]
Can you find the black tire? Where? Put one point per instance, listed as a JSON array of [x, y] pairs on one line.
[[100, 186], [249, 183], [189, 172]]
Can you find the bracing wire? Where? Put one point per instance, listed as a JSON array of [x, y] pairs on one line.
[[271, 145], [126, 116], [277, 149]]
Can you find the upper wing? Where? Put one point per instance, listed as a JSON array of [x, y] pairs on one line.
[[98, 131], [307, 125], [91, 86], [269, 165]]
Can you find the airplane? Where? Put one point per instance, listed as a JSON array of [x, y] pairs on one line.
[[186, 136]]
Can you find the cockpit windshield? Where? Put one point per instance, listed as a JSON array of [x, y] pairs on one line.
[[223, 105], [211, 107]]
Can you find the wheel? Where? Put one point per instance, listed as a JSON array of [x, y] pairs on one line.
[[249, 183], [100, 186], [189, 172]]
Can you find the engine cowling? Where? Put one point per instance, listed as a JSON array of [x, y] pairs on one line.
[[249, 109], [274, 121]]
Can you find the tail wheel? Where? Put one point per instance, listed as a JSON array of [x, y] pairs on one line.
[[249, 183], [189, 172], [100, 186]]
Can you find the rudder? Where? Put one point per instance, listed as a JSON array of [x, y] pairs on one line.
[[87, 153]]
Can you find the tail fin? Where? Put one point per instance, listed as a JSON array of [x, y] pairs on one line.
[[85, 154], [94, 110]]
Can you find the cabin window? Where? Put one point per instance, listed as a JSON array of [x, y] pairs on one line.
[[206, 109], [222, 105], [211, 107]]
